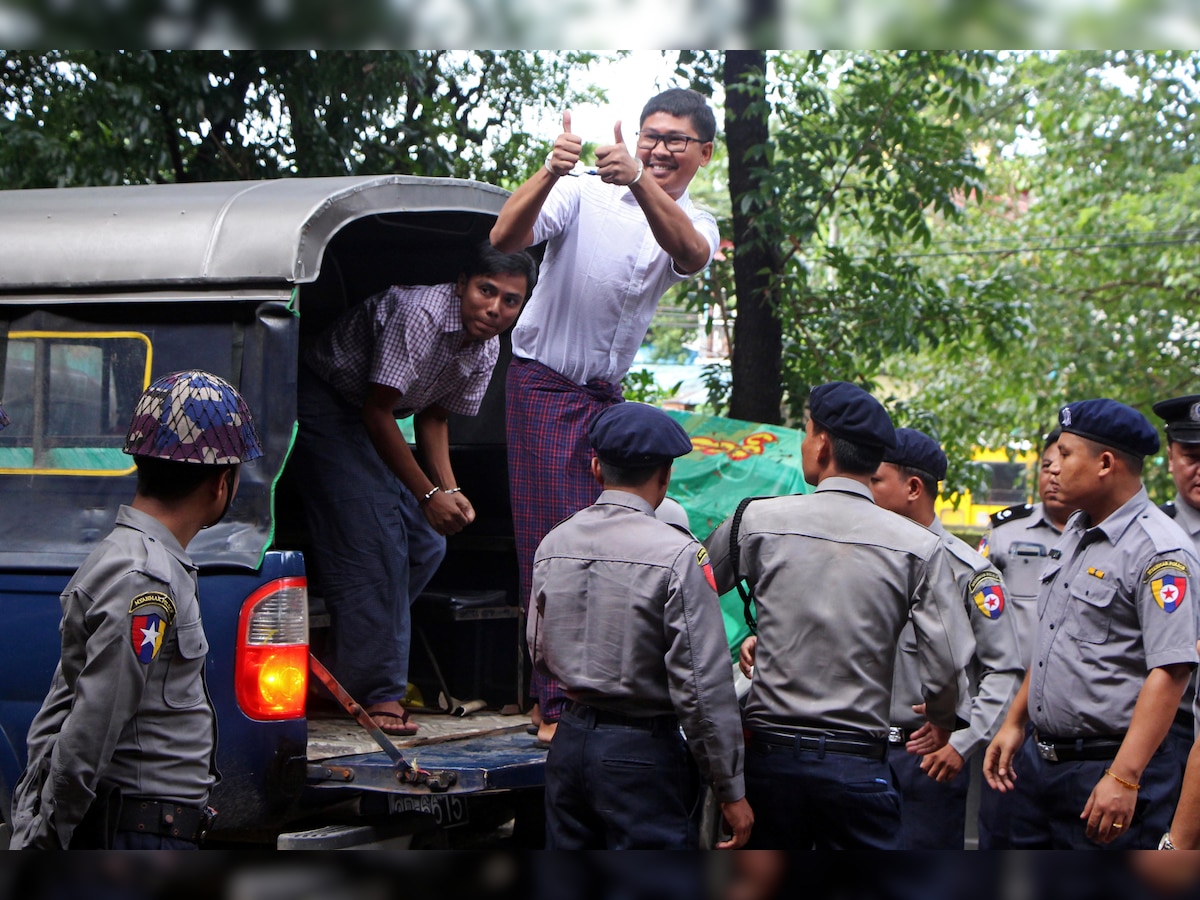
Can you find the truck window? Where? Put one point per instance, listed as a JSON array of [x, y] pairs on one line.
[[69, 396]]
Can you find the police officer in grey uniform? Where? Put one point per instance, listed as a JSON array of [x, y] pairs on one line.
[[1115, 646], [1018, 545], [1019, 542], [834, 579], [122, 752], [624, 613], [1182, 417], [927, 762]]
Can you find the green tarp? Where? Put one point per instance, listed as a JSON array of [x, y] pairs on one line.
[[732, 459]]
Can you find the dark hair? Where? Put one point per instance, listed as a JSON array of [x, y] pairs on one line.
[[628, 476], [1051, 439], [487, 260], [1134, 463], [685, 104], [927, 480], [850, 456], [169, 480]]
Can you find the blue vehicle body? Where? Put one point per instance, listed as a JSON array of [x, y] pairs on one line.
[[104, 289]]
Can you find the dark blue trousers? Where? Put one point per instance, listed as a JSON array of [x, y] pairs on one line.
[[933, 816], [372, 549], [620, 787], [1049, 797], [805, 799]]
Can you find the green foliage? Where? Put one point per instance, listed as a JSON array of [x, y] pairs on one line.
[[1092, 216], [108, 117], [867, 152], [640, 386], [667, 344]]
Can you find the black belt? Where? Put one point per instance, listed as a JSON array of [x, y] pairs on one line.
[[187, 823], [593, 716], [846, 743], [1067, 749]]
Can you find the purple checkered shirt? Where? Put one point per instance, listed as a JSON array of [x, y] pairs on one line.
[[410, 339]]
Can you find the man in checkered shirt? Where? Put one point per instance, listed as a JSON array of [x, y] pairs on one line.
[[377, 518]]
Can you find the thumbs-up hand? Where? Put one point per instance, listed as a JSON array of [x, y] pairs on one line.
[[614, 165], [566, 150]]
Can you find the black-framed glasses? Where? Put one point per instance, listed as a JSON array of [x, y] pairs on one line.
[[675, 143]]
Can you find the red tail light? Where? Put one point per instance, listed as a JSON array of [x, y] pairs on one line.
[[271, 669]]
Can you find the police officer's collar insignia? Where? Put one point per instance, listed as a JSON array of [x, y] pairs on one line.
[[154, 602], [989, 598], [146, 633], [703, 563]]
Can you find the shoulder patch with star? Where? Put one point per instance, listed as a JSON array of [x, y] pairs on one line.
[[1168, 583], [150, 614], [988, 595], [703, 563]]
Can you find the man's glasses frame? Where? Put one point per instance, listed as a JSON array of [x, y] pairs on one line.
[[675, 143]]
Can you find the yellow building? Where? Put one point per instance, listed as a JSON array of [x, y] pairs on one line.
[[1011, 478]]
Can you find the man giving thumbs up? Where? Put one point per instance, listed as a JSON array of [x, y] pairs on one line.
[[614, 245]]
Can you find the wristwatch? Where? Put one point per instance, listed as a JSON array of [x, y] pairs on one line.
[[1165, 843]]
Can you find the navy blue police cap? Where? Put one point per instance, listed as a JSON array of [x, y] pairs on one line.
[[849, 412], [1110, 423], [1182, 415], [632, 435], [917, 450]]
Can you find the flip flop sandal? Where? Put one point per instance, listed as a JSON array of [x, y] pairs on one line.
[[404, 729]]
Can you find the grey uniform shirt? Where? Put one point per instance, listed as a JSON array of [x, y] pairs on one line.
[[835, 578], [995, 673], [1188, 518], [625, 615], [1020, 548], [1116, 601], [128, 703]]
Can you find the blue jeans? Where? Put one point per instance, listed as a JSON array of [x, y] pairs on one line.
[[372, 550], [1050, 796], [803, 799], [620, 787], [933, 816]]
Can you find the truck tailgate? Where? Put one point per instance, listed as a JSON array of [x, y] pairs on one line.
[[485, 751]]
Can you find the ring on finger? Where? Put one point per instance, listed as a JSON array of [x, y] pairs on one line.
[[1116, 825]]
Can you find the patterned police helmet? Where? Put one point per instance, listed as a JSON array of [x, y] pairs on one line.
[[193, 417]]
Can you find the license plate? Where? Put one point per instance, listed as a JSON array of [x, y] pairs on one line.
[[447, 810]]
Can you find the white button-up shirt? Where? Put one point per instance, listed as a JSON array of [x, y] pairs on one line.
[[600, 281]]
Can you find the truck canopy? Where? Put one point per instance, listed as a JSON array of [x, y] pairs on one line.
[[234, 232], [104, 289]]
